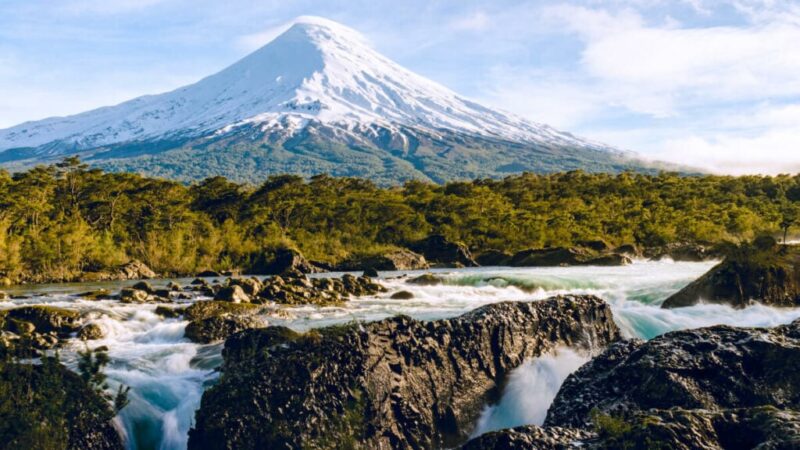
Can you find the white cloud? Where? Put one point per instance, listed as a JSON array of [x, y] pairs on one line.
[[776, 151]]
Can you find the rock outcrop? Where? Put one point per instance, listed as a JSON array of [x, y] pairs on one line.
[[132, 270], [683, 251], [494, 258], [711, 369], [566, 256], [763, 427], [439, 250], [48, 406], [395, 383], [768, 275], [400, 259], [284, 260], [531, 437], [220, 327]]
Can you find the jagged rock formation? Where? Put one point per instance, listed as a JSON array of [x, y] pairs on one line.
[[769, 275], [763, 427], [530, 437], [395, 383], [712, 368]]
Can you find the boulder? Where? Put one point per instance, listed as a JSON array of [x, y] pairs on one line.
[[91, 331], [770, 276], [208, 308], [144, 286], [548, 257], [395, 383], [712, 369], [250, 286], [400, 259], [199, 282], [169, 313], [298, 289], [370, 272], [438, 249], [50, 407], [402, 295], [134, 270], [233, 294], [209, 274], [494, 258], [99, 294], [46, 319], [284, 260], [426, 279], [4, 296], [218, 328], [131, 295]]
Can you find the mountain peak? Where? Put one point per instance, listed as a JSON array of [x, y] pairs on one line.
[[316, 72]]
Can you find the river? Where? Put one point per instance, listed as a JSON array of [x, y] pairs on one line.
[[168, 374]]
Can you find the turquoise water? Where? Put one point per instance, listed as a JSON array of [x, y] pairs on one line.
[[168, 374]]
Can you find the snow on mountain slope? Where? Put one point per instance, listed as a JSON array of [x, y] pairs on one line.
[[317, 70]]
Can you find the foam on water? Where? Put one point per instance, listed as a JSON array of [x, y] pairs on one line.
[[168, 374]]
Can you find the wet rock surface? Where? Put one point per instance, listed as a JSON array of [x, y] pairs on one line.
[[531, 437], [712, 369], [769, 275], [220, 327], [395, 383]]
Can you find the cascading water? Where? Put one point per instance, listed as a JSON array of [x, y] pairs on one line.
[[530, 390], [168, 374]]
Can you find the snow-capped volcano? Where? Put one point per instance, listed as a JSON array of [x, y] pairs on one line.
[[318, 79]]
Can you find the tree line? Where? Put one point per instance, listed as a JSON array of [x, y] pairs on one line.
[[61, 220]]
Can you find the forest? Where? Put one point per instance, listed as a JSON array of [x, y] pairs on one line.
[[60, 220]]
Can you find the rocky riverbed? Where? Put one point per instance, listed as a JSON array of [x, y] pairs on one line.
[[167, 345]]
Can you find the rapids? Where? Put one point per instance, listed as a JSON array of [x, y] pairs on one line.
[[168, 374]]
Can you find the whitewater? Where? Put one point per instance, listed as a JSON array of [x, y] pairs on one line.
[[168, 374]]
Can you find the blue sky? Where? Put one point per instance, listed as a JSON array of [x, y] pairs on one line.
[[710, 83]]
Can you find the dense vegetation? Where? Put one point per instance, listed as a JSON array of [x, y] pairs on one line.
[[59, 220]]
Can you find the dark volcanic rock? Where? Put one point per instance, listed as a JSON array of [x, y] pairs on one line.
[[400, 259], [770, 276], [551, 256], [48, 406], [284, 260], [710, 368], [395, 383], [207, 308], [763, 427], [221, 327], [437, 249], [494, 258], [426, 279], [402, 295], [46, 318], [530, 437], [566, 256], [233, 294]]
